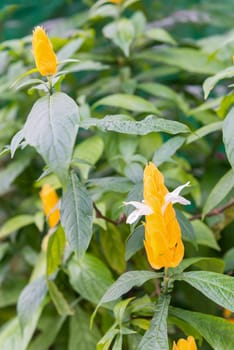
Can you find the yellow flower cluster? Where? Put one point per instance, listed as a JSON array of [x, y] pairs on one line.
[[185, 344], [163, 243], [50, 201], [45, 58]]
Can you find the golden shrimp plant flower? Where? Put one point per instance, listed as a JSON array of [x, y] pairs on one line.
[[185, 344], [163, 243], [50, 203], [45, 58]]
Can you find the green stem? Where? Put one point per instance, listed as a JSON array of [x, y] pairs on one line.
[[165, 283], [49, 78]]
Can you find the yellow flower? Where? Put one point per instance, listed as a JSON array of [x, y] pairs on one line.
[[116, 1], [228, 315], [50, 203], [184, 344], [163, 243], [45, 58]]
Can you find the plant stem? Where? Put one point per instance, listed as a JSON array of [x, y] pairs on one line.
[[165, 282], [49, 77]]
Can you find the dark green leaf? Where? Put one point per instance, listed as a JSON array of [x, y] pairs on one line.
[[218, 332], [89, 276], [156, 336], [228, 139], [215, 286], [77, 215], [167, 150], [58, 299]]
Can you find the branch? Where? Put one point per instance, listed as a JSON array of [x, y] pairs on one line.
[[99, 215], [213, 212]]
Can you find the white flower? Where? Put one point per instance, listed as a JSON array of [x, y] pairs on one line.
[[174, 197], [141, 209]]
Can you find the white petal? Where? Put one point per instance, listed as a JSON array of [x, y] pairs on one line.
[[141, 209], [173, 197], [133, 217]]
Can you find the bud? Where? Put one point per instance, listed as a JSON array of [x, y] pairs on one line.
[[50, 202], [185, 344]]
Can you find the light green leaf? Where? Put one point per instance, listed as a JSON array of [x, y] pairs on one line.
[[217, 287], [15, 224], [204, 130], [228, 139], [128, 3], [107, 339], [30, 300], [129, 102], [219, 192], [77, 215], [210, 83], [123, 124], [55, 250], [51, 128], [89, 276], [218, 332], [122, 33], [161, 35], [90, 150], [81, 336], [187, 59], [113, 248], [156, 336], [165, 92], [204, 235], [58, 299], [167, 150]]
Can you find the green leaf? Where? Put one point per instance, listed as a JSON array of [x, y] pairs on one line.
[[11, 171], [58, 299], [129, 102], [113, 248], [204, 235], [208, 264], [187, 229], [210, 83], [30, 300], [55, 250], [229, 260], [187, 59], [120, 308], [204, 130], [126, 282], [218, 332], [123, 124], [135, 242], [77, 215], [15, 224], [81, 336], [217, 287], [90, 150], [121, 33], [167, 150], [161, 35], [107, 339], [51, 128], [219, 192], [156, 336], [89, 276], [228, 139]]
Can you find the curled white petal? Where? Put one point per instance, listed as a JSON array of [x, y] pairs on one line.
[[174, 197], [141, 209]]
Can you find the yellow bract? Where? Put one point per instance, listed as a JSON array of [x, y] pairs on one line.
[[163, 243], [185, 344], [50, 202], [45, 58]]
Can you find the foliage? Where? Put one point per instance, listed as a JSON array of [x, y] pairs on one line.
[[134, 84]]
